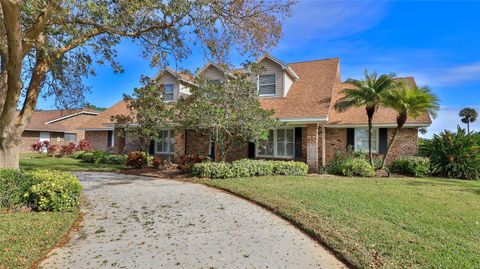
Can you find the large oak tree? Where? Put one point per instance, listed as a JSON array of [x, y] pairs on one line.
[[48, 46]]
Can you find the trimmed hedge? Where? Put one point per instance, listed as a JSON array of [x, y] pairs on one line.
[[349, 164], [78, 154], [43, 190], [248, 168], [101, 157], [411, 166]]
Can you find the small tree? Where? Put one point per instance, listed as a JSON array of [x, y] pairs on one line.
[[409, 102], [148, 115], [228, 112], [468, 115], [367, 93]]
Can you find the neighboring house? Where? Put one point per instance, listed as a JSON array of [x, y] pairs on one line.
[[59, 127], [302, 94]]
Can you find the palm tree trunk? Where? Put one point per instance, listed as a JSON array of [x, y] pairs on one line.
[[389, 147], [468, 127], [370, 112]]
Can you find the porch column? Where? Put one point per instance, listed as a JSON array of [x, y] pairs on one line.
[[324, 161], [312, 147]]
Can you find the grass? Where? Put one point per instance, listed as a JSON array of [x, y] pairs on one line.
[[26, 237], [30, 161], [387, 223]]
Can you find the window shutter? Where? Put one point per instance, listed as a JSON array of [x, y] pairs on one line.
[[109, 138], [251, 150], [298, 143], [151, 148], [350, 138], [382, 143]]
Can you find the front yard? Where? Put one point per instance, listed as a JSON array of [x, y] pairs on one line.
[[31, 161], [26, 236], [393, 223]]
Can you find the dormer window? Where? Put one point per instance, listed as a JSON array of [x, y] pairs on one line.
[[168, 97], [266, 85]]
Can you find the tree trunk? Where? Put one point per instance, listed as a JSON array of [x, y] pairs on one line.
[[468, 127], [10, 156], [389, 147], [370, 112]]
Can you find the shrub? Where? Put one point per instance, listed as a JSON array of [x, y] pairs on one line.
[[454, 154], [248, 168], [36, 146], [84, 145], [156, 162], [113, 159], [186, 162], [136, 159], [98, 155], [411, 166], [14, 184], [53, 190], [77, 154], [350, 164], [87, 157], [67, 150], [52, 149]]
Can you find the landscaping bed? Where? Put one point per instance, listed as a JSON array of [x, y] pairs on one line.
[[372, 222], [29, 162]]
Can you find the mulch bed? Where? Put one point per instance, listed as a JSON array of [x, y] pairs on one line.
[[164, 173]]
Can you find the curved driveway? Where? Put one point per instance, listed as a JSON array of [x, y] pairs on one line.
[[139, 222]]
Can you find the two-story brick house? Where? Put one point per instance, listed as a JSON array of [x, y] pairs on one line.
[[302, 95]]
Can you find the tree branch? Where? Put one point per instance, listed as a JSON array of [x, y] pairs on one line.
[[33, 33]]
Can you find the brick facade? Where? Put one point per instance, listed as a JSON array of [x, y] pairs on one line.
[[312, 140], [75, 122], [32, 137], [97, 139]]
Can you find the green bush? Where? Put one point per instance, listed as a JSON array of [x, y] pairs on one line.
[[98, 156], [248, 168], [53, 190], [113, 159], [454, 154], [350, 164], [88, 157], [411, 166], [78, 154], [14, 184], [137, 159]]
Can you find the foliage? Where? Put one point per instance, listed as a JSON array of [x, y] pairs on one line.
[[366, 93], [78, 154], [98, 155], [88, 157], [156, 162], [41, 146], [186, 162], [113, 159], [468, 115], [137, 159], [148, 115], [13, 186], [228, 112], [52, 149], [409, 101], [248, 168], [350, 164], [411, 166], [68, 164], [67, 150], [454, 154], [49, 47], [84, 145]]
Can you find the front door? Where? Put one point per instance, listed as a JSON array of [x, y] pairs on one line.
[[44, 136]]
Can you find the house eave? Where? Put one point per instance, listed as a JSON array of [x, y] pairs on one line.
[[378, 125]]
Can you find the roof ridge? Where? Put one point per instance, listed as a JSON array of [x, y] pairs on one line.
[[316, 60]]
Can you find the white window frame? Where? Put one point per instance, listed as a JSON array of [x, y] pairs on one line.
[[165, 92], [65, 135], [170, 144], [111, 143], [274, 84], [275, 144], [375, 144]]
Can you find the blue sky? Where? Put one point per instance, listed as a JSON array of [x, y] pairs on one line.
[[437, 42]]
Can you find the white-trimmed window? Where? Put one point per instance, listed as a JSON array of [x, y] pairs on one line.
[[361, 139], [70, 137], [266, 85], [280, 144], [168, 92], [164, 144]]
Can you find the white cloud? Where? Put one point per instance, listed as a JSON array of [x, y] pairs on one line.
[[448, 119], [327, 20]]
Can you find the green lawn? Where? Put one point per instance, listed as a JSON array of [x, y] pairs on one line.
[[35, 161], [28, 236], [388, 223]]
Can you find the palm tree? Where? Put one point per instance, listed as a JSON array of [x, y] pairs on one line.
[[409, 101], [368, 93], [468, 115]]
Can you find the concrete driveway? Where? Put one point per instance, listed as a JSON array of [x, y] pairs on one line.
[[139, 222]]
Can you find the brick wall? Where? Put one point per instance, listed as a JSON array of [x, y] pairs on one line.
[[98, 139], [313, 138], [335, 140], [31, 137], [75, 122], [197, 143]]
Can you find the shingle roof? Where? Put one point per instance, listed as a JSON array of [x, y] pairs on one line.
[[103, 119], [358, 116], [40, 117], [310, 95]]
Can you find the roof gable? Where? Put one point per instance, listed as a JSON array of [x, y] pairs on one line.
[[285, 67]]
